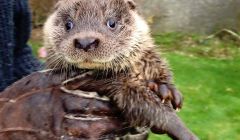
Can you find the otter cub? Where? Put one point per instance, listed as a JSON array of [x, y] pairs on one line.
[[110, 38]]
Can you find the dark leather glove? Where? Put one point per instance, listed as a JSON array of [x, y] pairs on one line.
[[44, 106], [37, 108]]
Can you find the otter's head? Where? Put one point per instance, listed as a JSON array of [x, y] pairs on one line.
[[95, 34]]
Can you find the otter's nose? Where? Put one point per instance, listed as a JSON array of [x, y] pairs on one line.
[[86, 43]]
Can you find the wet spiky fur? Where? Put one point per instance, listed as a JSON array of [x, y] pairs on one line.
[[131, 40], [135, 56], [125, 56]]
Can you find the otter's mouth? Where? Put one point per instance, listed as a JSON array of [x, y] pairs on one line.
[[88, 61], [89, 64], [85, 62]]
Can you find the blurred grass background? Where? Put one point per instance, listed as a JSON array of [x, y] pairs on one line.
[[207, 71]]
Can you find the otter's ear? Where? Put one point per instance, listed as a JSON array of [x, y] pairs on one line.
[[131, 4], [57, 4]]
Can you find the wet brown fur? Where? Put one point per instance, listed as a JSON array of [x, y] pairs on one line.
[[126, 54]]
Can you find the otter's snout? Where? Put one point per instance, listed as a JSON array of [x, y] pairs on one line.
[[88, 43]]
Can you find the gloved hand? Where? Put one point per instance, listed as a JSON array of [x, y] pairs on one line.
[[37, 108], [44, 106]]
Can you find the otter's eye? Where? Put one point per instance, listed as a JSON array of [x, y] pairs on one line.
[[111, 23], [69, 25]]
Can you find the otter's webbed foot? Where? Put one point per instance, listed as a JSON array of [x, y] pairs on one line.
[[166, 92]]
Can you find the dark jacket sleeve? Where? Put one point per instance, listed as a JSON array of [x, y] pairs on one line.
[[16, 59], [6, 43], [24, 61]]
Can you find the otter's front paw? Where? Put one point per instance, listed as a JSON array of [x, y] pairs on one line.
[[167, 92]]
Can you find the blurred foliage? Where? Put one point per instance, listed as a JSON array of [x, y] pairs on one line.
[[238, 24], [35, 47], [198, 46], [40, 10]]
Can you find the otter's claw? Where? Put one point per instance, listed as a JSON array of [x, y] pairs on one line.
[[176, 97], [166, 92]]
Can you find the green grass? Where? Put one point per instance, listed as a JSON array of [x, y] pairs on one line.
[[209, 82], [35, 46], [208, 74]]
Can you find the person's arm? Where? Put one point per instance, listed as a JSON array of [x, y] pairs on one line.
[[24, 61], [16, 59], [7, 43]]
